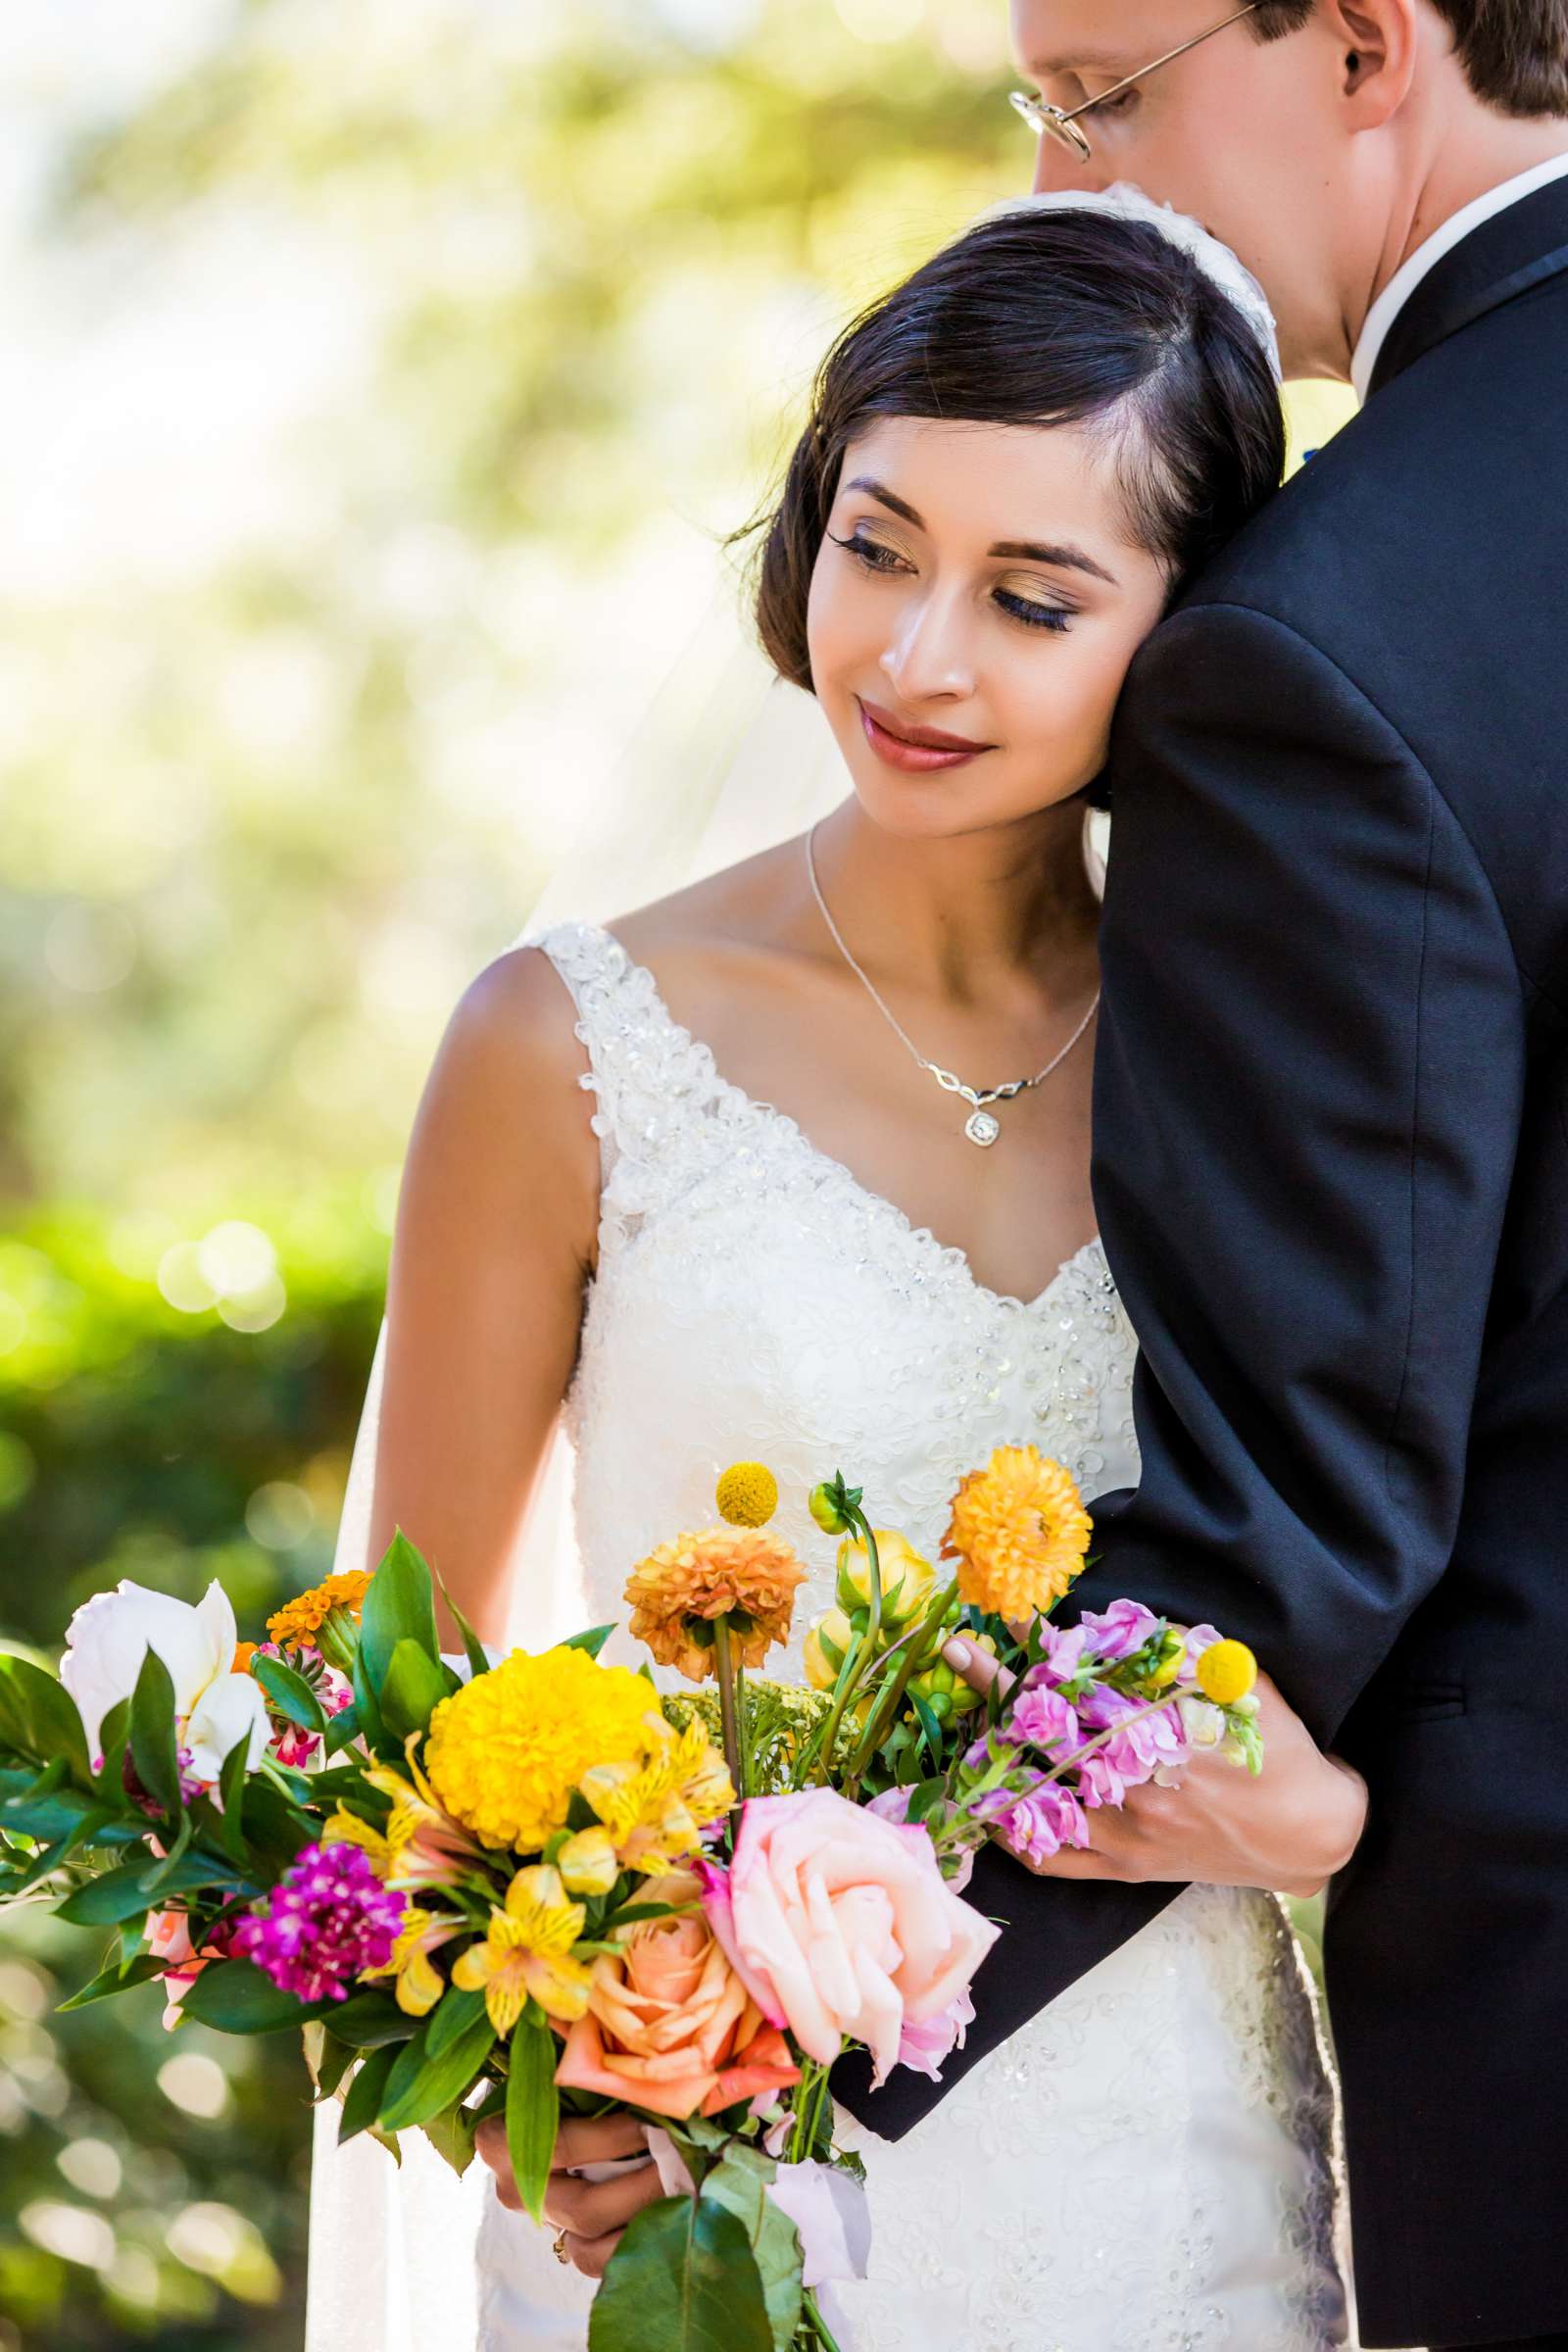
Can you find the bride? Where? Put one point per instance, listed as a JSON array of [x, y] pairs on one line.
[[706, 1181]]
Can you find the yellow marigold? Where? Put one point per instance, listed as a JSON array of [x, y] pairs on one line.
[[297, 1620], [747, 1494], [739, 1572], [503, 1753], [1020, 1532]]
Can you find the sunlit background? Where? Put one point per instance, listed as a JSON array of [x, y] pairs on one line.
[[379, 378]]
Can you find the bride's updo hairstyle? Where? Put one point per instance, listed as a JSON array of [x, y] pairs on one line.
[[1056, 317]]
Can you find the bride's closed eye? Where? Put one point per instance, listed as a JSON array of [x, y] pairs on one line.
[[1028, 611]]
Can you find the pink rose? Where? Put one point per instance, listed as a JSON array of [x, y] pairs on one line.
[[841, 1923]]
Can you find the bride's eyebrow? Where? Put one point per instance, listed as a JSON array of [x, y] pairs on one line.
[[1063, 553]]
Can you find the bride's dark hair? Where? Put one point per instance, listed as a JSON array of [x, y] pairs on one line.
[[1045, 317]]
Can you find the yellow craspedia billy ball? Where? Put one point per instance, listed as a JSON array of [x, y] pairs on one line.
[[747, 1494], [1226, 1672], [505, 1752]]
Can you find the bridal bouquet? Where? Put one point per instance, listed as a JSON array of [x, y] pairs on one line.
[[528, 1885]]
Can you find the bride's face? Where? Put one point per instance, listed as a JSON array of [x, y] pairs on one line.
[[976, 581]]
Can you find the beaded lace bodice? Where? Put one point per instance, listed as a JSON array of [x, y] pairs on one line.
[[1147, 2166], [754, 1301]]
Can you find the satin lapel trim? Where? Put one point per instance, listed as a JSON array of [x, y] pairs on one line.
[[1454, 319]]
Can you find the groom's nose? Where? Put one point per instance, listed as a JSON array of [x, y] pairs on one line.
[[1056, 169]]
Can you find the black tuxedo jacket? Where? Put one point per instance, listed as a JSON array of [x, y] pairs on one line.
[[1331, 1169]]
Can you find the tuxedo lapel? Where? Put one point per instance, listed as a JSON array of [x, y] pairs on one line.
[[1511, 254]]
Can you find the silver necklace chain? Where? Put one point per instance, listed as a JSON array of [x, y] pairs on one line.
[[981, 1127]]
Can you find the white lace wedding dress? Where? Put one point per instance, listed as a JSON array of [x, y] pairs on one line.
[[1148, 2165]]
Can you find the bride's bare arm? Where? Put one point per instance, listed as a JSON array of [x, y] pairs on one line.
[[495, 1237]]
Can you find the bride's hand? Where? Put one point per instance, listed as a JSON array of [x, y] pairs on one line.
[[1289, 1829], [589, 2215]]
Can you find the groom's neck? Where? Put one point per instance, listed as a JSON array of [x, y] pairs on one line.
[[1491, 150]]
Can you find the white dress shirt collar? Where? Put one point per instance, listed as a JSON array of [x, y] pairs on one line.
[[1403, 284]]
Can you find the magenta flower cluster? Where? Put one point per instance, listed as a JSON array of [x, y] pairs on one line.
[[327, 1920]]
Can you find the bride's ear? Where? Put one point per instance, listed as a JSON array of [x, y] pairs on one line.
[[1378, 47]]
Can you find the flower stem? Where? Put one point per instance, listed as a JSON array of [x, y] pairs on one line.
[[885, 1714], [725, 1662], [820, 2333]]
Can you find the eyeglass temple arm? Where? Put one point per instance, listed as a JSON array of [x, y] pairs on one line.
[[1154, 62]]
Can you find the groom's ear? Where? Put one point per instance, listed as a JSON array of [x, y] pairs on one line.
[[1378, 45]]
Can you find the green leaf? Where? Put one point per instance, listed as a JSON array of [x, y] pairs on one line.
[[151, 1735], [739, 2183], [419, 2086], [330, 2061], [367, 2020], [364, 2099], [38, 1718], [342, 1728], [163, 1871], [473, 1647], [414, 1688], [683, 2279], [399, 1606], [290, 1693], [114, 1737], [929, 1725], [533, 2109], [453, 2015], [235, 1997], [80, 1833], [121, 1892], [116, 1978], [592, 1641], [230, 1814], [367, 1707], [450, 2135]]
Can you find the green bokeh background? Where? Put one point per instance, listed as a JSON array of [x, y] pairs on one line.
[[399, 369]]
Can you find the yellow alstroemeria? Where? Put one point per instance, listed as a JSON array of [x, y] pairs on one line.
[[529, 1951], [426, 1846], [419, 1986], [587, 1862], [343, 1828], [656, 1812]]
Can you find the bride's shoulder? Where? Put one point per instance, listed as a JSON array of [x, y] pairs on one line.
[[730, 929]]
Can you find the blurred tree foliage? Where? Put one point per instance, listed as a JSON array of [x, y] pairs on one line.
[[526, 300]]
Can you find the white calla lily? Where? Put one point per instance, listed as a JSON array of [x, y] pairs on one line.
[[110, 1635]]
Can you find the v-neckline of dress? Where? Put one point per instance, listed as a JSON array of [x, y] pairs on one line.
[[949, 1254]]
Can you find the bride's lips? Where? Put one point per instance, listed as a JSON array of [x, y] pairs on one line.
[[917, 748]]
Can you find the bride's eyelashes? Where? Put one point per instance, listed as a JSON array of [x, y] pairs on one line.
[[1026, 610]]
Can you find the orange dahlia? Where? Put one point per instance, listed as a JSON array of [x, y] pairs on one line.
[[742, 1573], [1018, 1530], [298, 1619]]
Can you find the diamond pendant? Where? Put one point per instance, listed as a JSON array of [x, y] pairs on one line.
[[981, 1128]]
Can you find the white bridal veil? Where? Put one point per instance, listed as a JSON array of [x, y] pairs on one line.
[[729, 761]]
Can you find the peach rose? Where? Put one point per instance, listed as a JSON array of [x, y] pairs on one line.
[[841, 1923], [669, 2025]]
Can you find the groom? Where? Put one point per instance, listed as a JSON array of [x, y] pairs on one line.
[[1332, 1092], [1332, 1107]]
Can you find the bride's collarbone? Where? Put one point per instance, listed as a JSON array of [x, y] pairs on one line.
[[801, 1050]]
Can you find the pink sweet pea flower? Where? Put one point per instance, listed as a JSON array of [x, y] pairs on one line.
[[1115, 1633]]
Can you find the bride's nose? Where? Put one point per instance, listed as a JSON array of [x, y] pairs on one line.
[[929, 655]]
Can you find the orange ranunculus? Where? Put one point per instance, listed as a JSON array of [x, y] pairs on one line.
[[669, 2025]]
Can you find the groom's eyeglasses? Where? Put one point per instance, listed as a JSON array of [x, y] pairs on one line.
[[1040, 115]]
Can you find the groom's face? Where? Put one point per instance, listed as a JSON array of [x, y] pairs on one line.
[[1242, 133]]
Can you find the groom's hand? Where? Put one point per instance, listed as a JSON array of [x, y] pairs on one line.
[[589, 2215], [1289, 1829]]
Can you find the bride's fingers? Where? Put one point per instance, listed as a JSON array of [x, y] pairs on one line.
[[977, 1667], [592, 2209]]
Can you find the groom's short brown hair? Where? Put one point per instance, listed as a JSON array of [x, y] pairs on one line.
[[1514, 52]]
